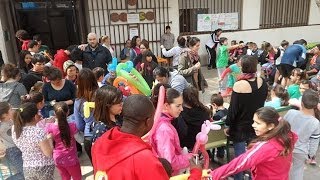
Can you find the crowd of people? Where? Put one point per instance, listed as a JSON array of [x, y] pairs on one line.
[[45, 118]]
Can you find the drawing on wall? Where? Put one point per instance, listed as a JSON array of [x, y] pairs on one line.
[[225, 21]]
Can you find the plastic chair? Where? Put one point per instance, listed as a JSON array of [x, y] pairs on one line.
[[162, 61]]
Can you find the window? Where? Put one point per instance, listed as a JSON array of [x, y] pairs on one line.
[[189, 9], [284, 13]]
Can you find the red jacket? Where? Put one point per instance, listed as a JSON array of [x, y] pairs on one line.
[[60, 58], [119, 155], [263, 159]]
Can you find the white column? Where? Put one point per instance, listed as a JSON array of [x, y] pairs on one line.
[[251, 14]]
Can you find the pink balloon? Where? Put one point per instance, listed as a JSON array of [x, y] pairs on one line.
[[158, 111]]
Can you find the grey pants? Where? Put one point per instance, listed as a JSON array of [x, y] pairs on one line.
[[39, 173], [297, 168]]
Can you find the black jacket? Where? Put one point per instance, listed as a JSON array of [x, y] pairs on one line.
[[100, 57], [30, 79]]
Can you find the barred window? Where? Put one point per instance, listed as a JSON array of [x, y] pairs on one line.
[[189, 10], [284, 13]]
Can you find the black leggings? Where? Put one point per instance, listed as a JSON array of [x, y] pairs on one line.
[[211, 57], [87, 146]]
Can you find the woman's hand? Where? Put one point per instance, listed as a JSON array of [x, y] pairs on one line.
[[197, 66]]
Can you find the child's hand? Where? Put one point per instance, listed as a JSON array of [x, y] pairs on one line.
[[161, 46], [226, 131]]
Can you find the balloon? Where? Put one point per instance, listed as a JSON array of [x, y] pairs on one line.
[[86, 108], [202, 139], [120, 80], [127, 71], [158, 112], [112, 67]]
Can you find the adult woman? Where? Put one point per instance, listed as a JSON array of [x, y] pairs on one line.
[[11, 90], [24, 63], [57, 90], [189, 64], [105, 40], [87, 86], [135, 47], [144, 47], [249, 94], [211, 47], [175, 51]]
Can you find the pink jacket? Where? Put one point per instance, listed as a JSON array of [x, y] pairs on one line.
[[263, 159], [165, 144]]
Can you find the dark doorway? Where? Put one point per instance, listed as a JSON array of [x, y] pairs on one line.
[[56, 22]]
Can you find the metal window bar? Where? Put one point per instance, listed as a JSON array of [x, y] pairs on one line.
[[189, 9], [284, 13], [100, 22]]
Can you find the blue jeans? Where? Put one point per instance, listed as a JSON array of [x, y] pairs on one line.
[[239, 148], [14, 157]]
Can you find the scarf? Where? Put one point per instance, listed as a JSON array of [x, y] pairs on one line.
[[246, 76], [194, 56]]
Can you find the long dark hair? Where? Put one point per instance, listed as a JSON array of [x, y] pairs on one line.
[[191, 98], [281, 131], [61, 111], [155, 93], [106, 96], [25, 114], [310, 100], [22, 64], [87, 84]]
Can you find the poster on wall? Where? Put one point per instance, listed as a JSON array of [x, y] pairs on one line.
[[133, 31], [225, 21], [132, 17]]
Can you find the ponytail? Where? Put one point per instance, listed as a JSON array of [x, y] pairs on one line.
[[281, 132], [25, 114], [61, 111]]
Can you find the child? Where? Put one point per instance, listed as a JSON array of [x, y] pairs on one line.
[[70, 71], [37, 87], [280, 51], [305, 123], [218, 112], [65, 150], [38, 99], [147, 68], [279, 97], [232, 71], [165, 140], [223, 57], [99, 74], [13, 154], [297, 75], [35, 146], [269, 156], [108, 106]]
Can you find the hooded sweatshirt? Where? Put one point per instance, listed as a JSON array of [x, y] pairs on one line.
[[165, 144], [263, 159], [11, 92], [119, 155], [60, 58]]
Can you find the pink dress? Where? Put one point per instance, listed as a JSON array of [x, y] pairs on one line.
[[165, 144]]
